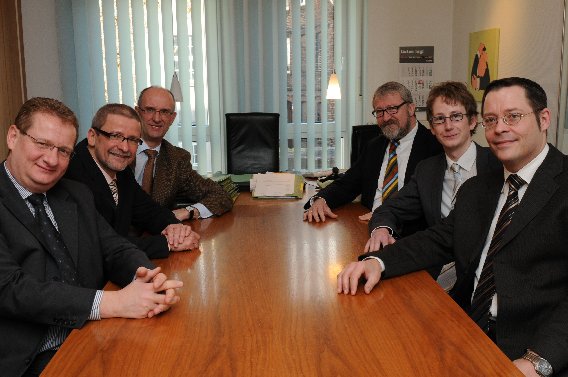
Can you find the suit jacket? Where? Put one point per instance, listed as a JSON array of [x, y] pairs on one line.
[[362, 177], [421, 197], [31, 298], [135, 207], [531, 268], [175, 181]]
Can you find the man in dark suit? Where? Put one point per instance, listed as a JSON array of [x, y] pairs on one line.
[[56, 251], [172, 180], [430, 193], [402, 137], [101, 162], [508, 239]]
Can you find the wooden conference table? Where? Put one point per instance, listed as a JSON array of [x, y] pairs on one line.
[[259, 299]]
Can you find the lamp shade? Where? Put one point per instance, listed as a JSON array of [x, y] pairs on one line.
[[175, 88], [333, 89]]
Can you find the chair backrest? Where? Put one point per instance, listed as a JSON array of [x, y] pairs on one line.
[[360, 137], [252, 142]]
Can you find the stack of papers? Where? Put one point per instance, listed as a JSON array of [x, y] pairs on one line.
[[277, 185]]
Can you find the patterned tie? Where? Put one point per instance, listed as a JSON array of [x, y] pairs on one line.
[[390, 184], [114, 190], [148, 176], [55, 245], [479, 310]]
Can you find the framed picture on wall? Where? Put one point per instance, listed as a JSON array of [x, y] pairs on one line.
[[483, 60]]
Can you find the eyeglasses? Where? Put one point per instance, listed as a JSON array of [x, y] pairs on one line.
[[151, 111], [510, 119], [119, 138], [44, 145], [440, 119], [379, 113]]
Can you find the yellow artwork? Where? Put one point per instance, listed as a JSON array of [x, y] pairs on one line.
[[483, 59]]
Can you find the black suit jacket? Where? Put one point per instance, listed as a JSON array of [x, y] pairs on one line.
[[362, 177], [135, 207], [421, 197], [31, 298], [531, 269]]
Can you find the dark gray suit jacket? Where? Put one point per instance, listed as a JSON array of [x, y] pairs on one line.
[[531, 269], [421, 197], [31, 298], [362, 177]]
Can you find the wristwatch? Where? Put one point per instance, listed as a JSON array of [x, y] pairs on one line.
[[541, 366]]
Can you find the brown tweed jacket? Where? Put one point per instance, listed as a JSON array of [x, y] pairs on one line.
[[176, 181]]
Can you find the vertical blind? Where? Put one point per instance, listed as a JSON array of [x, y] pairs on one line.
[[230, 56]]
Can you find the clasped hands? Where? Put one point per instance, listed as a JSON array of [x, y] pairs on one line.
[[149, 294], [181, 237]]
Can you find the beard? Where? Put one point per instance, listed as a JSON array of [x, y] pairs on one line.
[[393, 130]]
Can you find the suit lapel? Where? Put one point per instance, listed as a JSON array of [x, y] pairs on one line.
[[538, 193], [17, 206], [65, 212], [417, 152], [438, 177]]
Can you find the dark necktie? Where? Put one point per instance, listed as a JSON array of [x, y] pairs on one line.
[[55, 245], [148, 176], [481, 302], [390, 183]]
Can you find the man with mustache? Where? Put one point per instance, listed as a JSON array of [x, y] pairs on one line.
[[387, 163], [101, 162]]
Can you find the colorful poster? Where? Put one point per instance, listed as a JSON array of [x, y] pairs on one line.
[[483, 60]]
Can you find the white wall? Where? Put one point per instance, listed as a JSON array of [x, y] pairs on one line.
[[40, 48], [397, 23]]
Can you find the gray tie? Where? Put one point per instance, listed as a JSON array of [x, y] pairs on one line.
[[457, 180]]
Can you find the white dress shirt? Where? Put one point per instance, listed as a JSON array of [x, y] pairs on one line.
[[468, 169]]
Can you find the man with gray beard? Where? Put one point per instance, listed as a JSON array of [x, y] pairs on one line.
[[388, 161]]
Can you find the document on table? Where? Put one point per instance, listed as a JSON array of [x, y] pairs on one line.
[[277, 185]]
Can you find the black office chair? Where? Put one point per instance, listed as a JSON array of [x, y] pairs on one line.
[[360, 136], [252, 142]]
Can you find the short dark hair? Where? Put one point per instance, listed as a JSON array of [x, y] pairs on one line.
[[47, 106], [113, 108], [452, 92], [533, 91], [393, 87], [155, 87]]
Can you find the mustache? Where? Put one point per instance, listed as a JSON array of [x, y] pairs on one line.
[[390, 122]]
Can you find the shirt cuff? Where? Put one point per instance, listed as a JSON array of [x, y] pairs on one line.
[[204, 213], [96, 309], [378, 260], [391, 232]]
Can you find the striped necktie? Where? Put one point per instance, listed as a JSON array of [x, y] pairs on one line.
[[485, 290], [390, 183]]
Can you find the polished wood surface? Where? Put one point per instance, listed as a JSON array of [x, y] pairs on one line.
[[259, 299]]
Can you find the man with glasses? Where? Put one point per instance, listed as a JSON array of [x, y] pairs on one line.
[[101, 162], [56, 251], [430, 193], [388, 161], [165, 171], [506, 233]]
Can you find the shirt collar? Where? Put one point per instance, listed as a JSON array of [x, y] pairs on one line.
[[24, 192], [144, 146], [528, 171], [467, 160]]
